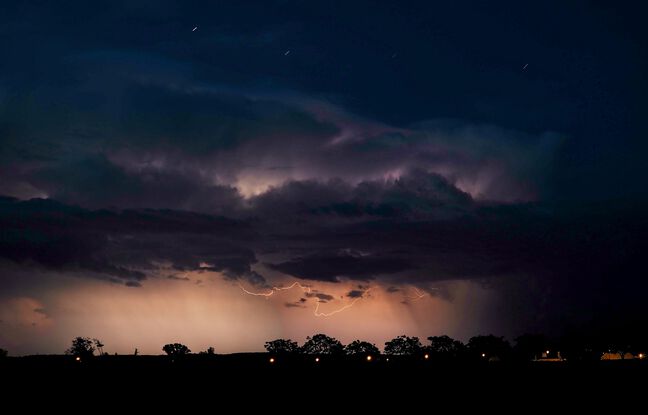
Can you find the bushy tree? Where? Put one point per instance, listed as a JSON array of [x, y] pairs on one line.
[[361, 348], [281, 346], [489, 347], [176, 349], [322, 344], [210, 351], [82, 347], [444, 347], [3, 353], [403, 346]]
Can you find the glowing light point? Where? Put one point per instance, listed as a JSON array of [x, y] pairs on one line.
[[547, 351], [641, 355], [272, 360], [317, 360], [427, 356], [483, 354], [369, 358], [78, 359], [388, 359]]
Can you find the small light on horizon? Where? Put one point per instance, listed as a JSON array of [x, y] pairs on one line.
[[483, 354], [547, 351], [316, 359], [641, 355], [388, 359], [78, 359], [427, 356], [272, 360], [369, 358]]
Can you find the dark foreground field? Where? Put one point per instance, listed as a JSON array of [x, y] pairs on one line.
[[251, 379]]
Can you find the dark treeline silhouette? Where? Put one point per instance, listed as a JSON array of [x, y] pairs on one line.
[[482, 348], [438, 349]]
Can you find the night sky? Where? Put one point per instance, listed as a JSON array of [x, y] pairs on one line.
[[417, 168]]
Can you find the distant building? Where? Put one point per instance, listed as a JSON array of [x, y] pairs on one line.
[[619, 356], [549, 356]]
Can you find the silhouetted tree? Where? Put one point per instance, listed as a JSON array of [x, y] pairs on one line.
[[82, 347], [322, 344], [361, 348], [99, 345], [281, 346], [209, 351], [403, 346], [489, 347], [176, 349], [3, 353], [444, 347], [530, 346]]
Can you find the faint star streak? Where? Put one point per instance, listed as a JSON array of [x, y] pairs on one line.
[[306, 289]]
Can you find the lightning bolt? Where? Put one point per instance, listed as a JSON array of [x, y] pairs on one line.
[[305, 289], [318, 313], [419, 294]]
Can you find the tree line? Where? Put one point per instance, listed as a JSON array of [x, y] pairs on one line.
[[438, 348]]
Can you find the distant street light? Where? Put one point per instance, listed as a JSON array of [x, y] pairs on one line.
[[483, 354], [369, 358], [272, 360], [427, 356], [317, 360]]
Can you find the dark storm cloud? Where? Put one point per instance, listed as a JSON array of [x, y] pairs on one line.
[[297, 304], [355, 294], [416, 229], [415, 193], [124, 246], [176, 278], [323, 267], [321, 297], [97, 182]]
